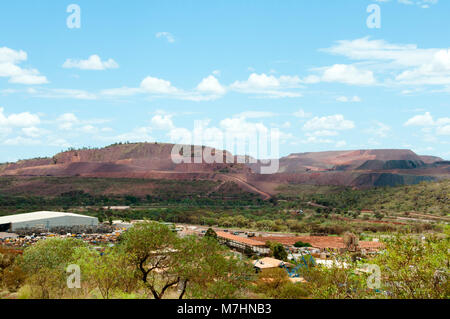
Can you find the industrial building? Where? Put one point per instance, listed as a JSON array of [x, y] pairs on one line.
[[45, 220], [242, 243]]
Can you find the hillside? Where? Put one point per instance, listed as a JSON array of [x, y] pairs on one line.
[[425, 197], [153, 161]]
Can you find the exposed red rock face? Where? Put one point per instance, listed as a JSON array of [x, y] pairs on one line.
[[358, 168]]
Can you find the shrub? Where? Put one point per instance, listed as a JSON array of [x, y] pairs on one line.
[[300, 244]]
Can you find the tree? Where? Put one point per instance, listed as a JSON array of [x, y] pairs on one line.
[[45, 264], [338, 281], [153, 250], [300, 244], [109, 271], [11, 275], [277, 250], [210, 233], [415, 268], [208, 270]]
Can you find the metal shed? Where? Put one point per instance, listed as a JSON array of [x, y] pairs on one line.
[[45, 220]]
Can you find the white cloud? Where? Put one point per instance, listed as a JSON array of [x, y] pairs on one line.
[[211, 85], [379, 129], [317, 140], [347, 74], [332, 122], [268, 85], [63, 94], [424, 4], [208, 89], [25, 119], [163, 122], [9, 60], [301, 114], [166, 35], [345, 99], [401, 64], [67, 121], [33, 131], [157, 86], [440, 126], [443, 130], [70, 122], [23, 141], [256, 114], [94, 62], [420, 120], [436, 72], [88, 129], [401, 55]]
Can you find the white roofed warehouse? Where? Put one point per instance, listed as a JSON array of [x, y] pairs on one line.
[[45, 220]]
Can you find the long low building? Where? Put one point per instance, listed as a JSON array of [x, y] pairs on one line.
[[45, 220], [242, 243]]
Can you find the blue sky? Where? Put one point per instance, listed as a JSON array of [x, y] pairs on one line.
[[149, 70]]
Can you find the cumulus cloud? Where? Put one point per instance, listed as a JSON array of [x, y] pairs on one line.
[[161, 121], [25, 119], [70, 122], [22, 129], [67, 121], [268, 85], [410, 64], [436, 72], [211, 85], [9, 68], [94, 62], [33, 131], [332, 122], [440, 126], [158, 86], [420, 120], [347, 74], [208, 89]]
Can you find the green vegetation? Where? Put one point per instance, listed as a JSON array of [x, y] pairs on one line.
[[277, 251], [300, 244], [426, 197], [210, 233], [150, 261], [416, 269]]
